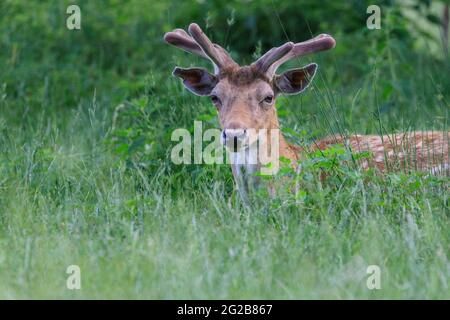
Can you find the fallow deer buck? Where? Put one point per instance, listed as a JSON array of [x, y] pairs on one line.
[[245, 99]]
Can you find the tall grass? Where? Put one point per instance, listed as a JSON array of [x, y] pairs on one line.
[[86, 177]]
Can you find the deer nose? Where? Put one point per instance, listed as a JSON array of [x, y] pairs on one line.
[[234, 134], [234, 138]]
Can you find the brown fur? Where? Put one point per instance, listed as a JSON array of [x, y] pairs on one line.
[[242, 76], [422, 150]]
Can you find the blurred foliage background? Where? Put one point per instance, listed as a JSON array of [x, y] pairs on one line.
[[86, 118]]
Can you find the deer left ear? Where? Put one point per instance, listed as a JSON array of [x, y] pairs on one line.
[[295, 80]]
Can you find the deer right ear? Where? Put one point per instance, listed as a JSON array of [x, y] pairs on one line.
[[197, 80]]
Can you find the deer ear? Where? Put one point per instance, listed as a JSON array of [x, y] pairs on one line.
[[197, 80], [295, 80]]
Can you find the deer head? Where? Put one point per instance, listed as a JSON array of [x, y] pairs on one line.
[[244, 96]]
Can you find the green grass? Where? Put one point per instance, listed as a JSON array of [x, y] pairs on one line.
[[85, 182]]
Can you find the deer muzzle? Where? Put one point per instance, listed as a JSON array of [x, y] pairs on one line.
[[235, 139]]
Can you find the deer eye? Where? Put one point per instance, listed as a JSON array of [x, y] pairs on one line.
[[215, 99], [268, 99]]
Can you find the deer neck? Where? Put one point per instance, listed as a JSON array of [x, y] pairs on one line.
[[288, 150], [247, 164]]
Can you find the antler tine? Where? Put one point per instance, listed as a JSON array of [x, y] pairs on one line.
[[319, 43], [180, 38], [271, 56], [216, 53]]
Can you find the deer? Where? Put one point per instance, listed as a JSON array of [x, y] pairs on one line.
[[245, 100]]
